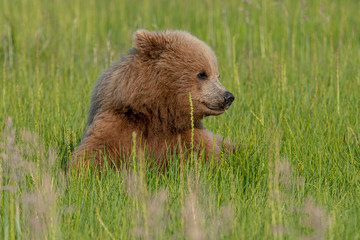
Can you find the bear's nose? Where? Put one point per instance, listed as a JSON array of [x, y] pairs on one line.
[[228, 98]]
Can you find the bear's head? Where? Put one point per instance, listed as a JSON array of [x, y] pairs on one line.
[[165, 68]]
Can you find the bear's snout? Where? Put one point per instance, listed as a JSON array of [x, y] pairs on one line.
[[228, 99]]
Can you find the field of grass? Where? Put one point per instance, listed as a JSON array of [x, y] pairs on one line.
[[294, 68]]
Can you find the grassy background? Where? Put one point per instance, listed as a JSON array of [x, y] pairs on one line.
[[294, 69]]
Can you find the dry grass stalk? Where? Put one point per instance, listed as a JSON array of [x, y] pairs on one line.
[[38, 214], [352, 131], [317, 220], [193, 219], [150, 218]]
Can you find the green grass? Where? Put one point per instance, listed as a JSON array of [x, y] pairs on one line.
[[294, 68]]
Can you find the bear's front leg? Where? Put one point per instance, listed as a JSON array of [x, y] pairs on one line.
[[207, 140]]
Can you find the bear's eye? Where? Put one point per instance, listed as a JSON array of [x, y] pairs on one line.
[[202, 75]]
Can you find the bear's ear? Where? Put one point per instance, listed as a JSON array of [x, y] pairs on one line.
[[149, 43]]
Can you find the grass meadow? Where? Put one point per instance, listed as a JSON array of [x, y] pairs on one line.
[[294, 68]]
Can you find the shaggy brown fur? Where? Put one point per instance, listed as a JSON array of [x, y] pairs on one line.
[[147, 92]]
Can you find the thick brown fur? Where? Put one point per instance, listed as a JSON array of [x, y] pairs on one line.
[[147, 92]]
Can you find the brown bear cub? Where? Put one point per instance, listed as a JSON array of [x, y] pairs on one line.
[[147, 92]]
